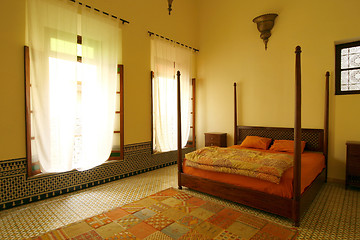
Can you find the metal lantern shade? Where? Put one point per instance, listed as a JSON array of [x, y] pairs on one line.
[[264, 24]]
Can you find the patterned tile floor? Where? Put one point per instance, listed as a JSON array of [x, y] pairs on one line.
[[335, 213]]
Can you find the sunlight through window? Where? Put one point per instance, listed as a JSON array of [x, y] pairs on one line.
[[71, 82]]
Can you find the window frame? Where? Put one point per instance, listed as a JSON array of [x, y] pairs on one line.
[[119, 154], [191, 143], [338, 70]]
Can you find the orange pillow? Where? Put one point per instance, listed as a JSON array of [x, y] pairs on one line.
[[256, 142], [286, 146]]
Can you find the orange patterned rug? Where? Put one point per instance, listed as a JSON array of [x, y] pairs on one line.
[[172, 214]]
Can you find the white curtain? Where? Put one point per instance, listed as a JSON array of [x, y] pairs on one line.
[[166, 59], [73, 103], [99, 88]]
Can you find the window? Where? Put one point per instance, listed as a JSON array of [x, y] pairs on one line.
[[73, 87], [117, 152], [166, 59], [347, 66]]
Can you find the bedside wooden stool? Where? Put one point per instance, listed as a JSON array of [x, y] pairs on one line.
[[352, 163], [215, 139]]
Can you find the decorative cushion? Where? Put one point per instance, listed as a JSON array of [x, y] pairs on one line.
[[256, 142], [286, 146]]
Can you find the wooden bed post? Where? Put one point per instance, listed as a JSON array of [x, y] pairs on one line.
[[121, 68], [235, 115], [152, 110], [297, 140], [27, 112], [179, 160], [193, 83], [326, 123]]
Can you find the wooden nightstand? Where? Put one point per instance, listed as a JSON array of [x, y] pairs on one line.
[[215, 139], [353, 163]]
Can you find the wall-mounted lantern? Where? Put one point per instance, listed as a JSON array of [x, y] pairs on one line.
[[170, 3], [264, 24]]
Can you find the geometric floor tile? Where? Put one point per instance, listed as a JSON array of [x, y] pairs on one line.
[[333, 215]]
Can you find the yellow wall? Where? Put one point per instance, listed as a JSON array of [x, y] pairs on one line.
[[12, 124], [231, 51], [143, 16]]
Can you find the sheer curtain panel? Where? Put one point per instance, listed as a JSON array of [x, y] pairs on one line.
[[166, 60], [73, 84]]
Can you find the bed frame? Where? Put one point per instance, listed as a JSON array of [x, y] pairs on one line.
[[317, 140]]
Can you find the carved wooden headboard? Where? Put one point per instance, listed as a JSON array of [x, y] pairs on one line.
[[314, 138]]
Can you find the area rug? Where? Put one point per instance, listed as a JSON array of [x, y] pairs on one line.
[[172, 214]]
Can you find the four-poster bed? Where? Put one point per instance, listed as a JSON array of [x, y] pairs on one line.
[[300, 193]]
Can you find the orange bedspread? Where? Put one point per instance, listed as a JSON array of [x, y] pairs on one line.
[[312, 163]]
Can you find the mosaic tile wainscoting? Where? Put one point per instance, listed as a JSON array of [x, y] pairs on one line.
[[17, 188]]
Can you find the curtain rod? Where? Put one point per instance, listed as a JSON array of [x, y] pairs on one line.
[[151, 33], [105, 13]]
